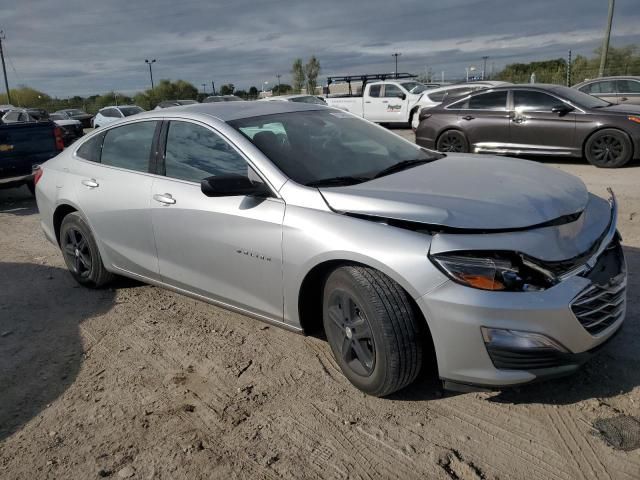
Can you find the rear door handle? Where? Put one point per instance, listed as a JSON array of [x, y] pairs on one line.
[[624, 99], [385, 101], [90, 183], [164, 198], [468, 117]]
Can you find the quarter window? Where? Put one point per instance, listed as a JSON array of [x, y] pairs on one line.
[[194, 153], [530, 101], [90, 150], [129, 146]]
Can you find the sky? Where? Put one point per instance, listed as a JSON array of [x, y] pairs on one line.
[[84, 47]]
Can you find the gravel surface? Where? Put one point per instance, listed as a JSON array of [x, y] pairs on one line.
[[138, 382]]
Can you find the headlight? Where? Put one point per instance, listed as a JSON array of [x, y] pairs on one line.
[[505, 271]]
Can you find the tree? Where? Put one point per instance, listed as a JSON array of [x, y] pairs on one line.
[[227, 89], [281, 89], [312, 70], [298, 75], [241, 94], [253, 92]]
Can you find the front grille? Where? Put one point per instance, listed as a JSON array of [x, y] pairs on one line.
[[603, 303]]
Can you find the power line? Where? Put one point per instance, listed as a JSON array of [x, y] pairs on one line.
[[4, 67]]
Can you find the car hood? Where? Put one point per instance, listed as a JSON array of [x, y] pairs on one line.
[[620, 109], [463, 191]]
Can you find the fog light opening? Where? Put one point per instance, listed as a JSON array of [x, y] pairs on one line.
[[517, 339]]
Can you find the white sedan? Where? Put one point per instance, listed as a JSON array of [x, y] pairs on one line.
[[111, 114]]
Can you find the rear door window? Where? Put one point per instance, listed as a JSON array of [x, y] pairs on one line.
[[194, 153], [374, 91], [628, 86], [129, 146], [488, 101]]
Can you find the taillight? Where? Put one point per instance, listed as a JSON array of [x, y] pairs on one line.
[[424, 116], [57, 132], [37, 173]]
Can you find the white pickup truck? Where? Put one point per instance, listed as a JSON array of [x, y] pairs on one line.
[[387, 101]]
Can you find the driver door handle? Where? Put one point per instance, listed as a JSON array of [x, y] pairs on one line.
[[165, 198], [624, 99], [468, 117], [90, 183]]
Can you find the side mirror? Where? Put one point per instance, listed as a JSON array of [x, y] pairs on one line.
[[232, 186], [402, 95], [562, 109]]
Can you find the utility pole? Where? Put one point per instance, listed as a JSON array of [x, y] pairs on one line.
[[213, 87], [150, 71], [4, 68], [484, 65], [569, 70], [396, 55], [278, 77], [204, 88], [605, 42]]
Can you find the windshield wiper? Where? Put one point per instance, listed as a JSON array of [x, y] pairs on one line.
[[337, 181], [403, 165]]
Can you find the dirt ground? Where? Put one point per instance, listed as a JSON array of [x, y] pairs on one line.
[[137, 382]]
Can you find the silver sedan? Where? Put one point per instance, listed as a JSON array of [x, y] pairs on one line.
[[500, 271]]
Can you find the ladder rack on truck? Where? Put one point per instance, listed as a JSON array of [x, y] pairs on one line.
[[366, 78]]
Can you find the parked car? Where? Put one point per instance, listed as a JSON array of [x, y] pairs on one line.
[[309, 217], [613, 89], [439, 95], [24, 146], [112, 114], [174, 103], [77, 114], [383, 101], [5, 108], [222, 98], [535, 120], [71, 129], [300, 98]]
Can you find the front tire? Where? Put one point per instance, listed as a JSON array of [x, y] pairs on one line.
[[372, 329], [452, 141], [81, 254], [609, 148]]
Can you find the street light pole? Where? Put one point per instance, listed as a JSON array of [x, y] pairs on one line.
[[278, 77], [4, 68], [605, 42], [204, 88], [396, 55], [150, 62], [213, 87], [484, 65]]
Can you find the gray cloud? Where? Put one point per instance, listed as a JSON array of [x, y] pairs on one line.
[[78, 47]]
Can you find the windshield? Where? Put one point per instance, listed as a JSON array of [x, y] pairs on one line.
[[579, 98], [57, 116], [414, 87], [186, 102], [128, 111], [75, 112], [308, 99], [318, 145]]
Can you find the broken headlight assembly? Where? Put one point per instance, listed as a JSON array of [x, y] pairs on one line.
[[497, 271]]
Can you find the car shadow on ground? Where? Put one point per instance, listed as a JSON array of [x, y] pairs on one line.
[[41, 351], [17, 201]]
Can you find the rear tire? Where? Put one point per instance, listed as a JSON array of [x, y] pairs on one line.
[[452, 141], [609, 148], [372, 329], [81, 254]]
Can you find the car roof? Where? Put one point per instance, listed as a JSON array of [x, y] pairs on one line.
[[603, 79], [118, 106], [228, 111]]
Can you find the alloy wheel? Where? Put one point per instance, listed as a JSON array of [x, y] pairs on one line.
[[76, 249], [607, 149], [352, 332], [451, 142]]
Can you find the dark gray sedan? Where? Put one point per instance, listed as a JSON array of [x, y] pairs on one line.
[[535, 120]]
